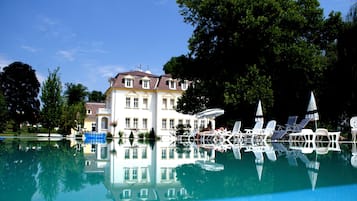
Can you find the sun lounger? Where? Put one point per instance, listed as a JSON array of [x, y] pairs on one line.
[[282, 130], [296, 128]]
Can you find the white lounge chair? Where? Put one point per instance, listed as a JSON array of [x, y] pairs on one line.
[[269, 129], [334, 136], [306, 135], [353, 124], [321, 134], [282, 130], [265, 133], [256, 130], [236, 135]]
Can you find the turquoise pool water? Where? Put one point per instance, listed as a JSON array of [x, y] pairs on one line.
[[130, 170]]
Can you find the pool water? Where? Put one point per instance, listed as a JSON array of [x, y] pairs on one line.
[[36, 170]]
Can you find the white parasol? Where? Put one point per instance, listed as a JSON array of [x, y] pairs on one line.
[[313, 171], [259, 113], [312, 110]]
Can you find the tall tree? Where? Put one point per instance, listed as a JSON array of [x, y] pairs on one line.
[[52, 101], [20, 87], [341, 77], [278, 41], [3, 112]]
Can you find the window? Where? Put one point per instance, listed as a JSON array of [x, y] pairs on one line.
[[136, 123], [163, 125], [195, 153], [94, 126], [143, 173], [146, 84], [127, 154], [126, 174], [89, 111], [145, 123], [126, 194], [172, 123], [136, 103], [127, 102], [171, 153], [135, 173], [188, 122], [195, 124], [184, 85], [129, 83], [104, 123], [164, 103], [143, 153], [163, 153], [127, 122], [171, 192], [145, 103], [135, 153], [202, 124], [187, 155], [180, 121], [144, 193], [163, 173], [172, 103], [172, 84], [171, 174]]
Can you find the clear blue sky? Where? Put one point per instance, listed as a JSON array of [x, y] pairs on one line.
[[92, 40]]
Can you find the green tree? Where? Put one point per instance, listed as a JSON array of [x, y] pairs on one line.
[[72, 117], [3, 112], [96, 96], [20, 87], [73, 110], [341, 77], [282, 39], [75, 93], [52, 101]]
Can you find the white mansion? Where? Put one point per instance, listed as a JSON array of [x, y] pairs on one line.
[[138, 102]]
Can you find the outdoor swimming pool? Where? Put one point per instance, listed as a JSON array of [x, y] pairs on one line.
[[131, 170]]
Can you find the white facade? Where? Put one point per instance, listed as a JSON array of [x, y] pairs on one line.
[[139, 102]]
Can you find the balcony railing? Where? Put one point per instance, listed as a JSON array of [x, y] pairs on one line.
[[103, 111]]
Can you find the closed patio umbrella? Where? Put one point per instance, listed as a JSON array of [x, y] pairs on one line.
[[313, 171], [312, 110], [259, 113]]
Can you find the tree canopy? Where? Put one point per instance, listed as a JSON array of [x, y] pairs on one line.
[[96, 96], [20, 88], [243, 51]]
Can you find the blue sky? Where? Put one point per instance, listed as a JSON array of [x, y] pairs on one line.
[[93, 40]]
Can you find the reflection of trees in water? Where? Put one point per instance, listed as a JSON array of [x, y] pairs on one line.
[[17, 170], [58, 168], [240, 178], [60, 165]]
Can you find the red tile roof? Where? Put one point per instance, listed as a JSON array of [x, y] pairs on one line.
[[155, 82], [93, 107]]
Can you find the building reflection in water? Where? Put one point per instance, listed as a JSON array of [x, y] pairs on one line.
[[134, 170]]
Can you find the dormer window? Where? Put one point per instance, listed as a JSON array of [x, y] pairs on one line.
[[172, 84], [184, 85], [145, 81], [129, 81]]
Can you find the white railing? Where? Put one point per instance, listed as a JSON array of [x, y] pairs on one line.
[[103, 111]]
